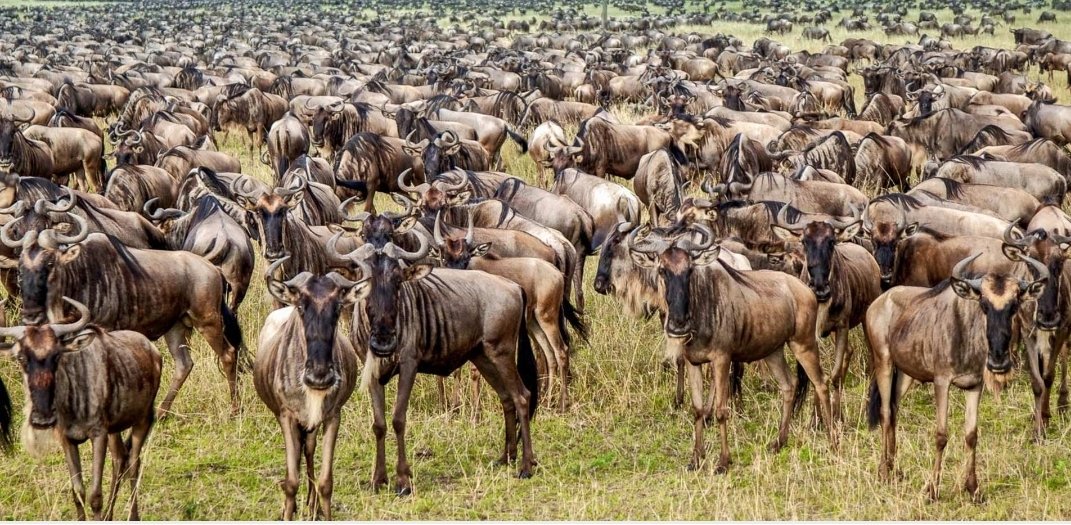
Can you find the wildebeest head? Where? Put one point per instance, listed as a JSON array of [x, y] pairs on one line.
[[10, 129], [886, 235], [675, 258], [38, 350], [1000, 296], [130, 147], [439, 155], [926, 98], [454, 250], [267, 213], [1051, 250], [381, 228], [324, 117], [319, 301], [819, 239], [564, 157], [41, 252], [432, 197], [390, 269], [605, 271]]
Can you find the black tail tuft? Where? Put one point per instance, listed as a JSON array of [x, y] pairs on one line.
[[232, 332], [736, 379], [873, 405], [526, 366], [678, 154], [5, 419], [802, 382], [568, 314], [519, 139]]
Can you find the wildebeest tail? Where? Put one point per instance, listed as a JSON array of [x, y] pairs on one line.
[[736, 378], [802, 382], [519, 139], [873, 404], [568, 315], [526, 363], [678, 154], [232, 332], [848, 101], [5, 418]]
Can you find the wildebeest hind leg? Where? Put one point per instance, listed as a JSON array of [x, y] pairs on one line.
[[176, 339], [806, 353], [120, 464], [490, 372], [775, 362]]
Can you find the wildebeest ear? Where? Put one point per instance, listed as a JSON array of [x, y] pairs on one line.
[[358, 291], [849, 232], [417, 271], [435, 253], [964, 290], [1064, 246], [401, 201], [80, 340], [481, 249], [644, 259], [71, 253], [293, 200], [1012, 252], [784, 234], [405, 224], [1032, 291], [281, 291], [246, 202], [707, 257], [910, 230]]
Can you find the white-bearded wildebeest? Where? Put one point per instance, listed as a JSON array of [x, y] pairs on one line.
[[1044, 183], [845, 280], [433, 321], [549, 308], [304, 371], [163, 294], [956, 333], [712, 311], [85, 383]]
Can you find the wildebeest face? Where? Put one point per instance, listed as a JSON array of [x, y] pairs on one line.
[[1052, 253], [320, 300], [604, 272], [36, 265], [388, 279], [269, 213], [320, 121], [886, 236], [675, 266], [8, 129], [819, 240], [1000, 297]]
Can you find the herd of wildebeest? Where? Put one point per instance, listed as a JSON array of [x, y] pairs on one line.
[[765, 209]]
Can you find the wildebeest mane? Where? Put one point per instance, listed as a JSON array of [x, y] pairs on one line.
[[900, 200]]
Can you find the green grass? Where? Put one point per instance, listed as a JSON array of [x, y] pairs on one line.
[[619, 452]]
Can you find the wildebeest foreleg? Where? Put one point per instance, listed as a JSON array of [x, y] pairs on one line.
[[1062, 401], [940, 395], [842, 358], [403, 473], [308, 442], [806, 353], [326, 485], [74, 467], [701, 409], [120, 463], [1041, 373], [787, 385], [379, 428], [721, 366], [96, 492], [970, 430], [292, 444], [176, 339]]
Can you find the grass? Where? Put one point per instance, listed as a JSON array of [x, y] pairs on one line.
[[619, 452]]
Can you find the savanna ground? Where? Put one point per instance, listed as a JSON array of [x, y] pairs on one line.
[[619, 451]]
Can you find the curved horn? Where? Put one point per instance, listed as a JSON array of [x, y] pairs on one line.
[[16, 210], [274, 267], [138, 137], [405, 186], [691, 246], [646, 244], [12, 332], [83, 232], [5, 236], [957, 271], [782, 219], [302, 185], [448, 187], [360, 217], [160, 214], [1013, 237], [1041, 273], [436, 230], [397, 252], [42, 206], [83, 319]]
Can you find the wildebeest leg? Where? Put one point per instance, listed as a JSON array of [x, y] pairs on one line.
[[806, 353], [138, 434], [721, 365], [787, 385], [578, 279], [490, 372], [1062, 401], [940, 395], [475, 380], [379, 428], [120, 464], [883, 376], [326, 485], [212, 331], [678, 396], [74, 467], [701, 410], [842, 358], [308, 439], [550, 352], [1034, 364], [503, 358], [176, 339], [96, 492], [292, 444], [970, 430], [403, 474]]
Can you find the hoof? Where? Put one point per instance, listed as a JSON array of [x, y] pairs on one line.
[[378, 484], [404, 491], [524, 474], [933, 492], [695, 465], [775, 446]]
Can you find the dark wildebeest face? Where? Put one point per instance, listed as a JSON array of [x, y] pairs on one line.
[[325, 116], [268, 213], [455, 251], [8, 130], [1000, 297], [433, 197], [604, 272], [439, 156], [886, 236], [675, 258], [319, 301], [1050, 250], [565, 157], [819, 240], [925, 98], [39, 350], [41, 254], [390, 269], [130, 149]]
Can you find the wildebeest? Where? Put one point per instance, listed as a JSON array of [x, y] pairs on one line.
[[304, 372], [955, 333], [87, 384]]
